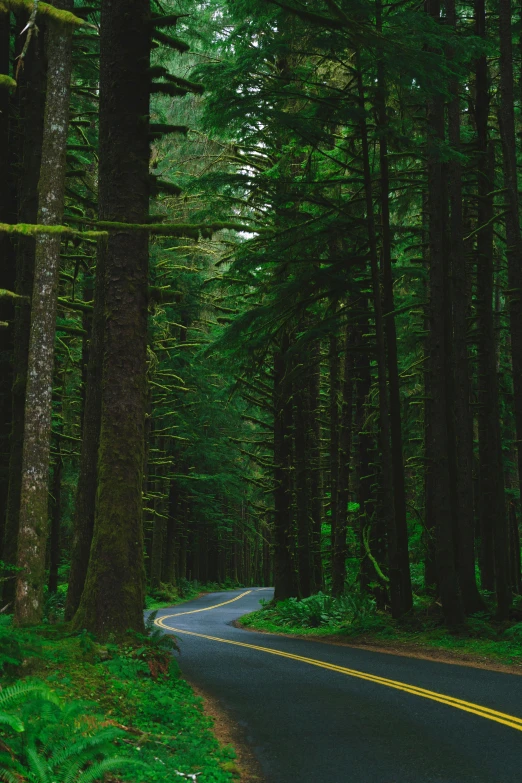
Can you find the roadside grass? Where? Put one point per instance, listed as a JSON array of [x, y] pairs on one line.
[[169, 595], [131, 696], [355, 620]]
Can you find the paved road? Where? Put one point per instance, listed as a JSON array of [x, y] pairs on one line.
[[331, 719]]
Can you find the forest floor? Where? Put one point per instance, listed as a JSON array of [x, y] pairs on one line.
[[135, 687], [485, 644]]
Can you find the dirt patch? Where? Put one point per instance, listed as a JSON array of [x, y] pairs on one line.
[[229, 733], [406, 649]]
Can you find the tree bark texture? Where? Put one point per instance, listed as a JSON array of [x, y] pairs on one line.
[[314, 458], [113, 596], [390, 331], [84, 509], [459, 368], [285, 583], [32, 535], [340, 552], [491, 486], [334, 366], [31, 107], [514, 257], [8, 214], [302, 467], [55, 513], [384, 433], [437, 407]]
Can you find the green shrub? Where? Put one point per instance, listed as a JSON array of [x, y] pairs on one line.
[[15, 646], [514, 634], [62, 743], [320, 610]]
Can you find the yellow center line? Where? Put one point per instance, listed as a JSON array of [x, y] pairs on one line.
[[476, 709], [195, 611]]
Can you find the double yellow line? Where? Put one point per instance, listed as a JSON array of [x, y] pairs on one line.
[[476, 709]]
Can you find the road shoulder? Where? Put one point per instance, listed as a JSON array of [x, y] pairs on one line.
[[228, 732], [404, 649]]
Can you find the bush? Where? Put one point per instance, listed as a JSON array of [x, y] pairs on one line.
[[53, 741], [322, 610]]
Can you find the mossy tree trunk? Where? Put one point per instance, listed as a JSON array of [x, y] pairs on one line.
[[32, 535], [8, 161], [112, 600], [31, 105]]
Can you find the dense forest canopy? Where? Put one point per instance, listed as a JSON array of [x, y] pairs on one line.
[[260, 282]]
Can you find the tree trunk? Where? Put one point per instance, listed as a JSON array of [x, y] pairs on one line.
[[32, 536], [437, 409], [31, 104], [384, 435], [112, 600], [491, 487], [388, 306], [514, 256], [334, 363], [303, 517], [285, 583], [314, 457], [371, 524], [8, 170], [159, 521], [83, 522], [339, 552], [458, 368], [171, 542], [55, 517]]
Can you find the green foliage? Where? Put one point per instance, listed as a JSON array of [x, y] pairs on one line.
[[320, 610], [63, 743], [118, 712], [15, 646]]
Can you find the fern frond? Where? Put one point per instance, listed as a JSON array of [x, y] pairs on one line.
[[97, 771], [20, 690], [11, 721], [37, 765], [7, 776], [87, 747], [10, 769]]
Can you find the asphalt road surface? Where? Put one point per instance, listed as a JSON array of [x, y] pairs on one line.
[[321, 713]]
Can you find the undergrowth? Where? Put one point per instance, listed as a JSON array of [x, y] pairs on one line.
[[73, 710], [355, 617], [170, 595]]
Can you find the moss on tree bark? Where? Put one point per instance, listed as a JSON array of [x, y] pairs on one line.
[[32, 536]]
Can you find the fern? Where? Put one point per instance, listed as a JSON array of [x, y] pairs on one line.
[[11, 721], [320, 609], [38, 769], [10, 769], [97, 771], [59, 743], [11, 696]]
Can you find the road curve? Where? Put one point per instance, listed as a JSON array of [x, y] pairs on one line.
[[320, 713]]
